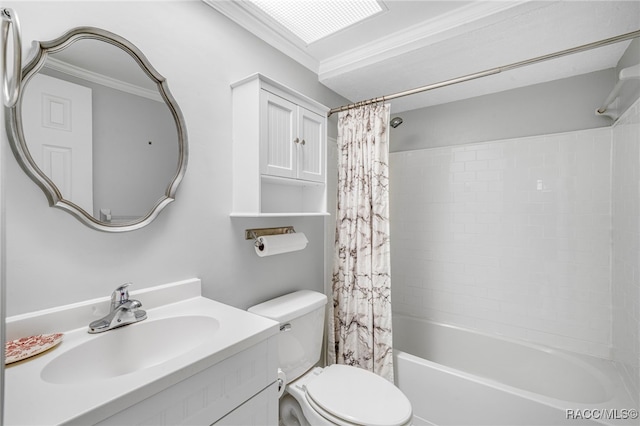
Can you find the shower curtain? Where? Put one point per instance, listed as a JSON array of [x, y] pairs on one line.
[[360, 327]]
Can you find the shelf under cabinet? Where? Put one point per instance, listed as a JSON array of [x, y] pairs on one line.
[[289, 181], [234, 214]]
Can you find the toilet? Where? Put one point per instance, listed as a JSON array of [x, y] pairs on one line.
[[334, 395]]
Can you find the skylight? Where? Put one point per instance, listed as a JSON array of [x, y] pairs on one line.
[[312, 20]]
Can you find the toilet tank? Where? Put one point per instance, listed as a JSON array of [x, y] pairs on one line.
[[301, 318]]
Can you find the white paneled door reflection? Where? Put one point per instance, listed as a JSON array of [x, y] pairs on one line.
[[57, 125]]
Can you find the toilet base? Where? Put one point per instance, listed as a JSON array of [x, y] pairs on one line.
[[291, 413], [294, 405]]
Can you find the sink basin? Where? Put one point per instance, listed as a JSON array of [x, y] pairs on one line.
[[130, 348]]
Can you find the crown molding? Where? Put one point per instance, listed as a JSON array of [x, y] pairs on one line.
[[73, 70], [475, 15], [442, 27], [241, 15]]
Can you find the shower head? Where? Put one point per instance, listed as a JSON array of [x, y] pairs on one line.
[[395, 122]]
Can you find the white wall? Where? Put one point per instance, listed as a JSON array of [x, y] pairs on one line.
[[626, 245], [631, 89], [508, 236], [52, 259], [141, 167], [557, 106]]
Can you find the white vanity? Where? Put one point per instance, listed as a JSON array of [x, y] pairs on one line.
[[192, 361]]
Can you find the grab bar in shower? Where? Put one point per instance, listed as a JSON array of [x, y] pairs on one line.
[[629, 73], [11, 88]]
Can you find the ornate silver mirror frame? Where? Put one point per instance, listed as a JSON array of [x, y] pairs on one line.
[[14, 121]]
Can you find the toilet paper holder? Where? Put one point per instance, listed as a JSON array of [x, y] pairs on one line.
[[254, 234]]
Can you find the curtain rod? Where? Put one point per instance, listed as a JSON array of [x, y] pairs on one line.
[[492, 71]]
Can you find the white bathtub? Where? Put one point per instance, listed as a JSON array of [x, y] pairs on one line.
[[455, 376]]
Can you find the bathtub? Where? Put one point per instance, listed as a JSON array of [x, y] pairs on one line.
[[455, 376]]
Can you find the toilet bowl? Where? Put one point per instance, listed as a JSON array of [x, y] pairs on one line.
[[335, 395], [348, 396]]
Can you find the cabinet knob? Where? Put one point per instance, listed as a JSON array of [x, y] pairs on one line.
[[296, 140], [302, 142]]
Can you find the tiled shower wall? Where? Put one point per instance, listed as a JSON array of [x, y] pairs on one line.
[[511, 237], [626, 246]]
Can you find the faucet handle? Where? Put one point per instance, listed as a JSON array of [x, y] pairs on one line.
[[120, 295]]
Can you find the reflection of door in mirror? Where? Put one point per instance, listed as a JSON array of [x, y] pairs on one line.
[[57, 122]]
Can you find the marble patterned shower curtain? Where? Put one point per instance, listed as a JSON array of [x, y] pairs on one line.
[[360, 327]]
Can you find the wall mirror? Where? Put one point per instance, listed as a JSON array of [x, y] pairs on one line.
[[96, 127]]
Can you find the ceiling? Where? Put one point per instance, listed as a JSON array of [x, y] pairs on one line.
[[420, 42]]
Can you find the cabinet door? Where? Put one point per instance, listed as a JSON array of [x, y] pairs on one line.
[[278, 133], [261, 410], [311, 149]]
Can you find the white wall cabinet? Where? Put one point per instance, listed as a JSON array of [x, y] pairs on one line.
[[279, 150], [292, 140]]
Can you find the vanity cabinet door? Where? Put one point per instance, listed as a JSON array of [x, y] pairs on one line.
[[260, 410], [210, 395]]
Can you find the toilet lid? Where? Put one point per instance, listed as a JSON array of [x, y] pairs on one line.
[[359, 397]]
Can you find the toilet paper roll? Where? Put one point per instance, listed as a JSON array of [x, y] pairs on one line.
[[282, 382], [270, 245]]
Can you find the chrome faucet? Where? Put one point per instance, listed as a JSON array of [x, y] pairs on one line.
[[123, 311]]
